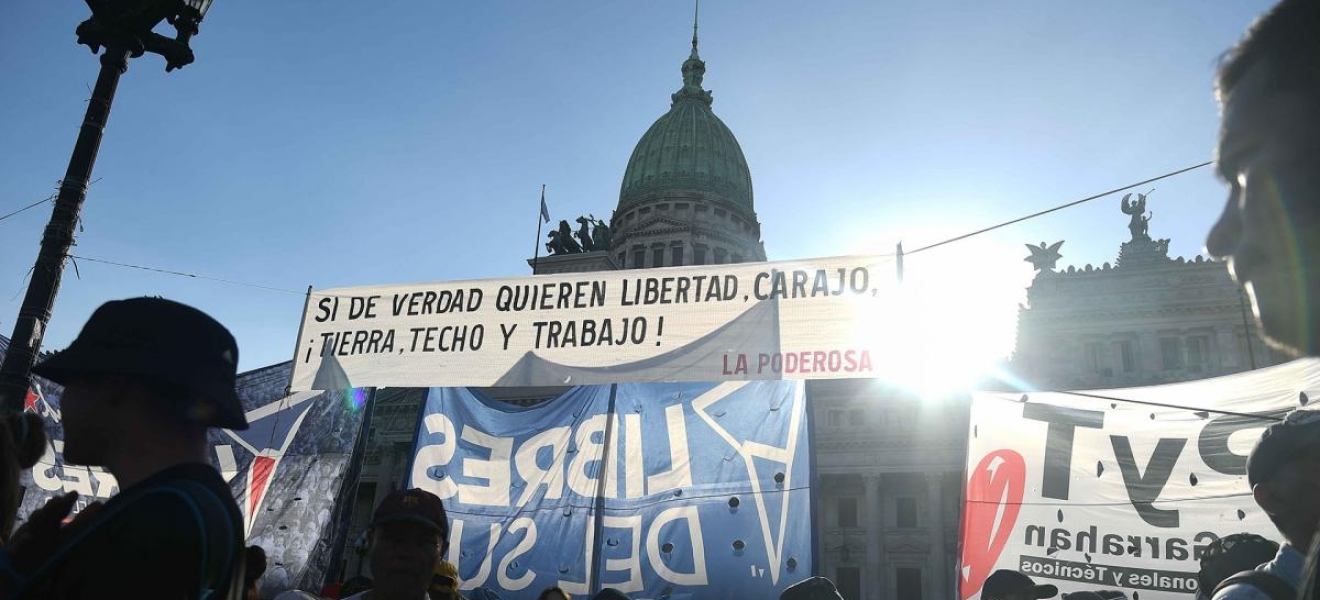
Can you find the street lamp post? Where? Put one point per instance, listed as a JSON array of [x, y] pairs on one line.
[[124, 29]]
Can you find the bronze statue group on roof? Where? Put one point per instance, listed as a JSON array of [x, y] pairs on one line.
[[592, 235]]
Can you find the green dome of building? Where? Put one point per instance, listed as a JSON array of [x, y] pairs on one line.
[[689, 148]]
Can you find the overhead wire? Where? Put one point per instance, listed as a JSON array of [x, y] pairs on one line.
[[28, 207], [189, 275], [1074, 504], [1194, 409], [1093, 396], [1059, 207], [50, 198]]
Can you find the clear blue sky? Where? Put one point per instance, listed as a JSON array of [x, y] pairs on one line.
[[337, 144]]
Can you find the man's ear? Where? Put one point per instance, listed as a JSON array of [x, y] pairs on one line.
[[1267, 498], [444, 548]]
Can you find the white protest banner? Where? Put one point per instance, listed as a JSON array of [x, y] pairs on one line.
[[1087, 493], [821, 318]]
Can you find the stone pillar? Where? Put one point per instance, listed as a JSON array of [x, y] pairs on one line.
[[1230, 358], [384, 474], [384, 484], [873, 579], [940, 572], [1152, 360]]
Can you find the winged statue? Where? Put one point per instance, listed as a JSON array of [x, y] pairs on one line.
[[1044, 257]]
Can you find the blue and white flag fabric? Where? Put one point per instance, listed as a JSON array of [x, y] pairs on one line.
[[288, 470], [285, 471], [706, 492]]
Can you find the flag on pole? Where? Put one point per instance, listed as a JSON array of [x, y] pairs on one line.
[[543, 219]]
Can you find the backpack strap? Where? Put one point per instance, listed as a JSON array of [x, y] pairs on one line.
[[218, 562], [1273, 586], [214, 567]]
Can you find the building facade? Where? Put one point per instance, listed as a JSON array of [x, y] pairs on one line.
[[1146, 320], [889, 473]]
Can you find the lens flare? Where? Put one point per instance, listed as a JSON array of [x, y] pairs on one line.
[[1288, 224], [356, 399]]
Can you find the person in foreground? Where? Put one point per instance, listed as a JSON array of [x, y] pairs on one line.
[[1269, 154], [409, 534], [1283, 472], [1269, 151], [142, 383]]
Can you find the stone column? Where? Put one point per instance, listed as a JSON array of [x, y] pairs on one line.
[[384, 484], [1152, 360], [940, 573], [384, 474], [1229, 357], [873, 580]]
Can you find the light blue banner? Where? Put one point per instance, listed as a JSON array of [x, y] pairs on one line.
[[707, 493]]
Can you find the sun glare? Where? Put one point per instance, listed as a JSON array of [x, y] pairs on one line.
[[952, 320]]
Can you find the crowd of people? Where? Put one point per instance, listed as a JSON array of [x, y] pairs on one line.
[[147, 377]]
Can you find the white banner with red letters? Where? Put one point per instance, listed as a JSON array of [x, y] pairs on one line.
[[1086, 491], [804, 319]]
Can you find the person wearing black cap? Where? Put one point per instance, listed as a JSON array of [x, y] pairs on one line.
[[142, 383], [1012, 585], [409, 535], [1283, 472]]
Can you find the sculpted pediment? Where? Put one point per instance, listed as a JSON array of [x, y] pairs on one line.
[[903, 543]]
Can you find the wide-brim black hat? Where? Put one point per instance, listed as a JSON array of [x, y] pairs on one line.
[[162, 339], [1281, 443]]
